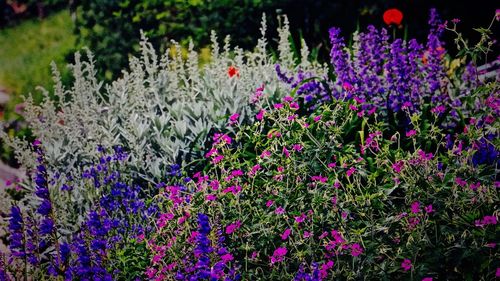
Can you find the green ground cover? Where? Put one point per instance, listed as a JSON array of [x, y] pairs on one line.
[[27, 49]]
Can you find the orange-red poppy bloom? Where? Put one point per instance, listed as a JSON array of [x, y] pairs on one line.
[[232, 71], [393, 16]]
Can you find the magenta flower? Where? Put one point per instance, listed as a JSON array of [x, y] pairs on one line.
[[415, 207], [350, 171], [459, 181], [427, 279], [210, 197], [474, 186], [285, 234], [286, 152], [278, 105], [233, 227], [279, 211], [317, 118], [265, 154], [356, 250], [301, 218], [227, 258], [429, 209], [260, 115], [411, 133], [398, 166], [297, 147], [278, 255], [269, 203], [234, 118], [217, 159], [406, 264]]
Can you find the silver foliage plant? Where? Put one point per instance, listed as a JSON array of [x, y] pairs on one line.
[[159, 110]]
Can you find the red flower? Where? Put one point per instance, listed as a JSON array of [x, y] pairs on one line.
[[393, 16], [232, 71]]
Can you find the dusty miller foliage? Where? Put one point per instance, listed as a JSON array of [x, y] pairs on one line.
[[160, 110]]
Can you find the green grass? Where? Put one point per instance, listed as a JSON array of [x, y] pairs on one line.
[[27, 49]]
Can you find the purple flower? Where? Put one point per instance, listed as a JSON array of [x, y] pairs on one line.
[[47, 226], [45, 208]]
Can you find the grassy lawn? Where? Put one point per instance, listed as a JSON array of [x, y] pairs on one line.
[[27, 49]]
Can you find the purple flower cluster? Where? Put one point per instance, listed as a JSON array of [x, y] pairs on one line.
[[119, 215], [390, 76], [202, 267]]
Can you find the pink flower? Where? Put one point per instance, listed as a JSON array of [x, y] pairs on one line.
[[279, 211], [285, 152], [336, 184], [269, 203], [427, 279], [332, 165], [278, 105], [319, 179], [294, 106], [234, 118], [438, 109], [140, 237], [301, 218], [227, 258], [460, 182], [254, 170], [497, 274], [279, 254], [285, 234], [323, 272], [356, 250], [297, 147], [398, 166], [415, 207], [217, 159], [265, 154], [489, 220], [210, 197], [429, 209], [287, 99], [411, 133], [323, 235], [491, 245], [317, 118], [215, 184], [350, 171], [406, 264], [260, 115], [474, 186], [150, 272], [307, 234], [233, 227], [347, 86]]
